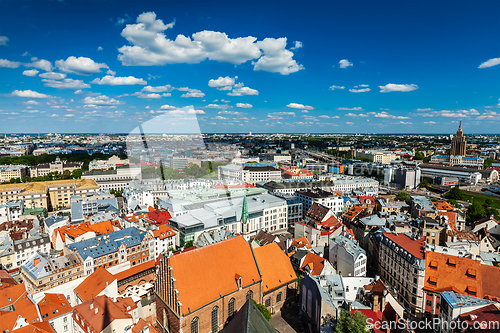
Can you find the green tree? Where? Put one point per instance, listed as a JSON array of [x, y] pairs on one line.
[[454, 193], [77, 173], [263, 310], [66, 174], [454, 203], [419, 155], [188, 244], [475, 212], [350, 323], [403, 196], [424, 183], [488, 162]]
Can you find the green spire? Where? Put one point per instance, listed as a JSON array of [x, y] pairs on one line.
[[244, 210]]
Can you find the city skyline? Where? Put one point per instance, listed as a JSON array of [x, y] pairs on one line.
[[357, 67]]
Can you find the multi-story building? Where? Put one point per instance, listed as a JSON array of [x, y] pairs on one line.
[[10, 211], [130, 246], [48, 195], [41, 271], [458, 160], [26, 247], [325, 198], [56, 166], [263, 212], [56, 310], [232, 273], [165, 238], [111, 162], [90, 204], [250, 173], [458, 144], [347, 257], [377, 156], [402, 265], [7, 172], [117, 179]]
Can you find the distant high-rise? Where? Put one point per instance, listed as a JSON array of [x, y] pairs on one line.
[[458, 144]]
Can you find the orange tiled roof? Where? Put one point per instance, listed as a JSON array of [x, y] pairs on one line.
[[274, 265], [353, 212], [98, 321], [413, 246], [315, 263], [43, 327], [444, 271], [218, 264], [331, 222], [164, 231], [443, 205], [103, 228], [452, 219], [138, 328], [135, 270], [94, 284], [126, 304], [54, 305], [489, 281], [18, 297], [301, 242]]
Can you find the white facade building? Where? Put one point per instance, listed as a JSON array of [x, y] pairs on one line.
[[347, 257]]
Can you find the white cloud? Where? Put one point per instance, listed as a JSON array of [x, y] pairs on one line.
[[490, 115], [9, 64], [80, 65], [355, 115], [157, 89], [222, 83], [78, 92], [244, 105], [276, 58], [384, 114], [218, 106], [66, 84], [53, 76], [69, 115], [336, 87], [168, 107], [364, 85], [490, 63], [191, 93], [31, 102], [100, 48], [31, 72], [230, 112], [424, 109], [140, 94], [357, 108], [344, 63], [300, 106], [430, 122], [40, 64], [328, 117], [282, 113], [297, 45], [359, 90], [305, 111], [398, 87], [119, 81], [101, 100], [451, 114], [349, 123], [193, 111], [240, 90], [150, 47], [219, 117], [4, 40], [29, 94]]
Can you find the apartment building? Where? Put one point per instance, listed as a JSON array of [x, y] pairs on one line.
[[56, 166], [7, 172], [377, 156], [26, 247], [250, 173], [347, 257], [48, 195], [111, 162], [402, 265], [117, 179], [328, 199], [42, 272]]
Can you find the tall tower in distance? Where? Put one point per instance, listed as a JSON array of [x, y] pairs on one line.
[[458, 144]]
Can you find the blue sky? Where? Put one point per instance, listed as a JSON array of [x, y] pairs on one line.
[[271, 67]]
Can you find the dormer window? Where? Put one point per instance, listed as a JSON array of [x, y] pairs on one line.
[[471, 273], [239, 281]]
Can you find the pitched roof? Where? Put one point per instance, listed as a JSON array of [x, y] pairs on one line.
[[218, 264], [317, 211], [139, 326], [99, 313], [16, 301], [160, 216], [353, 212], [314, 263], [452, 218], [489, 281], [94, 284], [413, 246], [135, 270], [486, 314], [274, 265], [301, 242], [43, 327], [164, 231], [248, 320], [54, 305], [443, 205]]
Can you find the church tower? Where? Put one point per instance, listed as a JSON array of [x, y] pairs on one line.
[[458, 144]]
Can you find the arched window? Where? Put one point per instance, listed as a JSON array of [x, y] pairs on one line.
[[195, 325], [278, 298], [268, 302], [230, 307], [215, 319], [249, 295]]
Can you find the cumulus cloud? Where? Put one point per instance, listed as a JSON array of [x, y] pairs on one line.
[[490, 63], [40, 64], [334, 87], [240, 90], [300, 106], [29, 94], [119, 81], [490, 115], [451, 114], [344, 63], [53, 76], [168, 107], [150, 47], [157, 89], [191, 93], [222, 83], [425, 109], [349, 123], [359, 90], [384, 114], [244, 105], [429, 122], [282, 113], [140, 94], [229, 112], [31, 72], [297, 45], [66, 84], [101, 100], [9, 64], [405, 123], [357, 108], [4, 40], [350, 114], [80, 65], [328, 117], [31, 102], [193, 111], [398, 87]]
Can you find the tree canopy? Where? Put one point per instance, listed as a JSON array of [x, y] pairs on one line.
[[350, 323]]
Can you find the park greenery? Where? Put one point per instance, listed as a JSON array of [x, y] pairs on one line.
[[403, 196], [350, 322], [481, 205]]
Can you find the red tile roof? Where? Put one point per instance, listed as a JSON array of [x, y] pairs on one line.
[[477, 319], [54, 305], [353, 212], [160, 216], [301, 242], [135, 270], [138, 327], [94, 284], [92, 313], [218, 264], [452, 219], [443, 205], [414, 246], [314, 262], [274, 265], [164, 231]]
